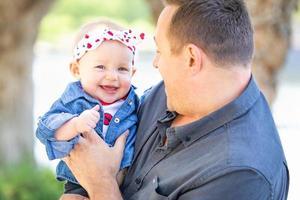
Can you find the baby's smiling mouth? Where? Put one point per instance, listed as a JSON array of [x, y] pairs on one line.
[[109, 88]]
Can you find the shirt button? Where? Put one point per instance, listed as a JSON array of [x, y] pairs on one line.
[[187, 138], [130, 102], [138, 181], [117, 120]]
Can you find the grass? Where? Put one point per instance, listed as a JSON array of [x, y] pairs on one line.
[[67, 16]]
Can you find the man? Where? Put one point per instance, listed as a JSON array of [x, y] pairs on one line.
[[206, 132]]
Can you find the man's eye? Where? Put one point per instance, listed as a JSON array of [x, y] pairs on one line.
[[100, 67]]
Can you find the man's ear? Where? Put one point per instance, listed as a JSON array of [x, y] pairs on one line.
[[193, 57], [74, 69]]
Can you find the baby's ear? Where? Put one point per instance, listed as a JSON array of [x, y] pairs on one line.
[[133, 71], [74, 69]]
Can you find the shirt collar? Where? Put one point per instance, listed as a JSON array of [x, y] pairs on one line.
[[211, 122]]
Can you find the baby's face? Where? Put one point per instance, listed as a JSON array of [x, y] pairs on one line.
[[105, 73]]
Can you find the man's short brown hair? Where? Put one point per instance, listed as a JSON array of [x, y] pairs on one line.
[[222, 28]]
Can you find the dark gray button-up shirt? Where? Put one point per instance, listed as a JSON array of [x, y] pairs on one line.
[[234, 153]]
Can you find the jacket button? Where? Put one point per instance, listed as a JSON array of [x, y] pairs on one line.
[[117, 120]]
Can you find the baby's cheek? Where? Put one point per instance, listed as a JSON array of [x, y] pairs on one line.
[[126, 83]]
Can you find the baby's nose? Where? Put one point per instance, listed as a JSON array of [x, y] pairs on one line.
[[111, 75]]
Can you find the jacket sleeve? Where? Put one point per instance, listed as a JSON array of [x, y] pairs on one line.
[[47, 126], [129, 148]]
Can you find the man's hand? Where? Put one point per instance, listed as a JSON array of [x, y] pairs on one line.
[[87, 120], [95, 164]]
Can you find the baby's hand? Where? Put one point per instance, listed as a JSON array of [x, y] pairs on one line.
[[87, 120]]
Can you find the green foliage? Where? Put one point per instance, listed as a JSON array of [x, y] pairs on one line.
[[298, 11], [28, 182], [298, 14], [68, 15]]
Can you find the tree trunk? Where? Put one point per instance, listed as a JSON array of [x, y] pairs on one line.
[[19, 22], [156, 7], [272, 24]]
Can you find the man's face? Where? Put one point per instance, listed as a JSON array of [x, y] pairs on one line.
[[169, 65]]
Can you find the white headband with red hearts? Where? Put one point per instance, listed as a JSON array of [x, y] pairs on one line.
[[92, 40]]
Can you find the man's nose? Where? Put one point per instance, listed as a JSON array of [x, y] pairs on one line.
[[154, 62]]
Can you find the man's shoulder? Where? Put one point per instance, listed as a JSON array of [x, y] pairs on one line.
[[157, 89], [249, 142], [154, 98], [253, 142], [234, 148]]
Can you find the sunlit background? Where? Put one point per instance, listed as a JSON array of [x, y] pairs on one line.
[[53, 54]]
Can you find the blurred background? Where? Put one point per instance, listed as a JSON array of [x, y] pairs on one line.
[[35, 52]]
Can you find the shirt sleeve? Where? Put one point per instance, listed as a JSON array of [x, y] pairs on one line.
[[242, 185], [47, 126]]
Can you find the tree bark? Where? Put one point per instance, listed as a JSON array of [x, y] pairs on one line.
[[271, 20], [19, 22], [156, 7]]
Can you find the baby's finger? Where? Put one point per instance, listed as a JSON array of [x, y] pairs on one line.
[[95, 113], [95, 118], [92, 124], [96, 107]]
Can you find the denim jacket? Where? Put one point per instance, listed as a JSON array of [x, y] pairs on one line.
[[73, 102]]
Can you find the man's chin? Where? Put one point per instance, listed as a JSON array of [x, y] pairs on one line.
[[170, 107]]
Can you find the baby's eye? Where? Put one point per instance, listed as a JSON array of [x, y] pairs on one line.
[[100, 67], [123, 69]]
